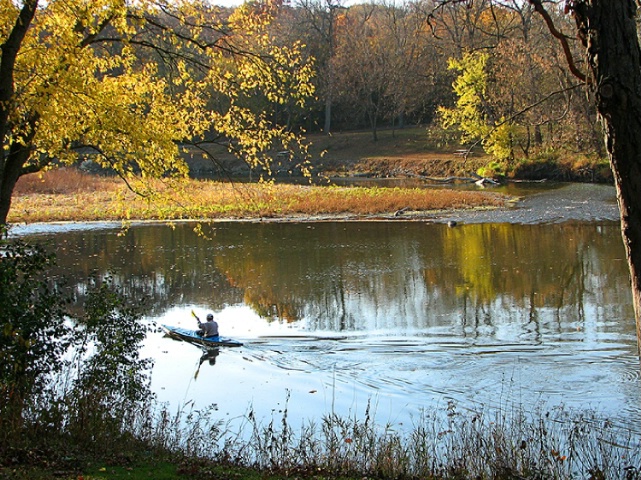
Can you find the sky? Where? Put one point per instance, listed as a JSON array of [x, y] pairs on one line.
[[228, 3], [235, 3]]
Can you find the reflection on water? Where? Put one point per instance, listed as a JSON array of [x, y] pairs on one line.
[[409, 313]]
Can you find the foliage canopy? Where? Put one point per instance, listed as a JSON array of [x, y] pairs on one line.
[[127, 81]]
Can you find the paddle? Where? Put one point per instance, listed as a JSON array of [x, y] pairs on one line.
[[195, 316]]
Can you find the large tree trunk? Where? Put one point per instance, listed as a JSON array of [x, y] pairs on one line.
[[607, 29], [13, 168], [11, 162]]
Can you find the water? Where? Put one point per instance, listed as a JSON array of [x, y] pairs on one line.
[[394, 317]]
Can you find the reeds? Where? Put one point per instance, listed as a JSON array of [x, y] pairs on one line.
[[63, 181], [443, 443], [557, 443]]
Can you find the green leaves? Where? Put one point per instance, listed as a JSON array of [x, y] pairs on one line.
[[33, 336], [74, 371]]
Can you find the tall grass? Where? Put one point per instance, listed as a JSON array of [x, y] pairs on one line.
[[70, 195], [559, 444], [443, 443], [63, 181]]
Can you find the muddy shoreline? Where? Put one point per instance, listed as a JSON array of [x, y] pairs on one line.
[[570, 202], [579, 202]]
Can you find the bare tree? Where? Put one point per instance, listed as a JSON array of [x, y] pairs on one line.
[[320, 18]]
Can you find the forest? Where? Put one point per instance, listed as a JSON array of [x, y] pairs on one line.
[[483, 72]]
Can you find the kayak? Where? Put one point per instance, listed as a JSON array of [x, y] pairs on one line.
[[192, 336]]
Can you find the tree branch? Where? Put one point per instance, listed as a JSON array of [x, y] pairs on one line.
[[10, 49], [540, 9]]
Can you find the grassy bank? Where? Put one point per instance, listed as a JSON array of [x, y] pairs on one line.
[[72, 195], [508, 444], [67, 194]]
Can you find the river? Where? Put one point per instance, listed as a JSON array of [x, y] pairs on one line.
[[524, 308]]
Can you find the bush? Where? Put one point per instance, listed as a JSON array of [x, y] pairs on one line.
[[552, 165], [65, 380], [494, 169], [33, 337]]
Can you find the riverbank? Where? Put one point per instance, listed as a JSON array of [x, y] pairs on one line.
[[405, 153], [70, 195], [85, 198]]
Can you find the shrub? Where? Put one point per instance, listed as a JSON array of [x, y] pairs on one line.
[[494, 169], [33, 334], [72, 380]]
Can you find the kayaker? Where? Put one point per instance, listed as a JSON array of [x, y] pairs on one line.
[[208, 328]]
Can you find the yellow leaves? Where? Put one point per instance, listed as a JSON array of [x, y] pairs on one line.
[[248, 86], [280, 74], [8, 15], [470, 115], [252, 16], [498, 142], [472, 81], [83, 73]]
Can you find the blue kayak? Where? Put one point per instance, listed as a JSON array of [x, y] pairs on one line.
[[192, 337]]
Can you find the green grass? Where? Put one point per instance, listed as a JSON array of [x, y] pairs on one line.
[[151, 470], [155, 470]]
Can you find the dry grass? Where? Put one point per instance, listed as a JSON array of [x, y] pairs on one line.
[[373, 201], [67, 195], [63, 181]]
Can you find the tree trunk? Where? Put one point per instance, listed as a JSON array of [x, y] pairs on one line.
[[11, 162], [9, 50], [607, 29], [538, 136], [328, 114], [13, 169]]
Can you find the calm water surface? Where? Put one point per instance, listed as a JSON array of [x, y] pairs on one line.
[[400, 316]]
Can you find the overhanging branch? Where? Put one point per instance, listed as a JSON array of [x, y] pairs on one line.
[[540, 9]]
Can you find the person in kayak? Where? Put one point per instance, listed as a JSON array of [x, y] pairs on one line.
[[208, 328]]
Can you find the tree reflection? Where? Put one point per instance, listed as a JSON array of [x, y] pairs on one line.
[[386, 276]]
